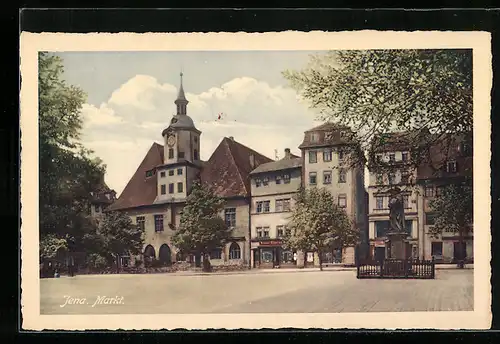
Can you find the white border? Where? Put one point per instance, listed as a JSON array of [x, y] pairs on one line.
[[31, 44]]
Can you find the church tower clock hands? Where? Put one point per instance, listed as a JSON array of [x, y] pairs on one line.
[[181, 162]]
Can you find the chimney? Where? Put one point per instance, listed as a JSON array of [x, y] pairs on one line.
[[252, 161], [231, 138], [287, 153]]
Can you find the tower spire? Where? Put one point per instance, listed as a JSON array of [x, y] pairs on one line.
[[181, 100]]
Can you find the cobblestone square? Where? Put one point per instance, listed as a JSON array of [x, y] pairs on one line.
[[255, 292]]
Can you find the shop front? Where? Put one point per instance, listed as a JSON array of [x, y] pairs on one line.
[[270, 254]]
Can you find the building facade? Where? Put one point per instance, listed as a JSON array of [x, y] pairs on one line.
[[396, 172], [156, 194], [273, 186], [326, 152], [451, 162]]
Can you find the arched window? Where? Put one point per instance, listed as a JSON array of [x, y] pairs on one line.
[[149, 253], [165, 255], [234, 251]]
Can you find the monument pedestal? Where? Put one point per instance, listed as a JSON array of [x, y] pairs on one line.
[[397, 245]]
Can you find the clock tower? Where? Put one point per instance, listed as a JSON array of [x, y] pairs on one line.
[[181, 161]]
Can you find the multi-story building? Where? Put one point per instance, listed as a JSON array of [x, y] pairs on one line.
[[391, 168], [155, 195], [451, 161], [326, 152], [273, 186]]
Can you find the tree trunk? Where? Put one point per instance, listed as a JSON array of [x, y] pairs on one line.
[[117, 264], [207, 267], [320, 260]]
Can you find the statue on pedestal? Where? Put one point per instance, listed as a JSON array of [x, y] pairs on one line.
[[396, 213]]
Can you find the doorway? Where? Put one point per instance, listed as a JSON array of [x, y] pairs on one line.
[[459, 251]]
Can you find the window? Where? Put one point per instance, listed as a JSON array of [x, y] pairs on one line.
[[286, 204], [179, 171], [392, 157], [265, 181], [266, 206], [405, 177], [287, 257], [259, 206], [327, 155], [230, 217], [278, 205], [439, 190], [429, 191], [391, 178], [149, 173], [467, 149], [234, 251], [451, 166], [381, 228], [195, 154], [97, 208], [314, 137], [312, 178], [141, 222], [437, 249], [380, 179], [158, 223], [216, 253], [162, 174], [342, 175], [342, 201], [170, 153], [258, 182], [430, 219], [379, 202], [171, 188], [313, 157], [180, 187], [278, 180], [280, 231], [171, 172], [406, 201], [286, 178], [327, 177], [404, 156], [196, 139], [163, 188], [262, 232], [341, 154], [181, 155], [288, 231], [328, 136]]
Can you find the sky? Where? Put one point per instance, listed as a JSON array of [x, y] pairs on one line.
[[130, 100]]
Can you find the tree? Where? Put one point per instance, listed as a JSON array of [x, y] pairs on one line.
[[67, 172], [115, 236], [201, 228], [421, 94], [453, 210], [318, 223]]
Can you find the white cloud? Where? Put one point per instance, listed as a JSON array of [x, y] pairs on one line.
[[262, 117]]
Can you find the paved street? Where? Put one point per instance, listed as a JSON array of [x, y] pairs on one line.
[[295, 292]]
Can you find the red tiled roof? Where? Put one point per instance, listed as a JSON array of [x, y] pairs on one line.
[[141, 190], [229, 167], [328, 134]]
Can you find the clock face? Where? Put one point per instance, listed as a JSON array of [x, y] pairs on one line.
[[171, 141]]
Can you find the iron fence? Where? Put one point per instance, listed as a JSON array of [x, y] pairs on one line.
[[397, 268]]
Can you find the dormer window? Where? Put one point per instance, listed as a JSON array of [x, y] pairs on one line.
[[404, 156], [328, 136], [265, 181], [392, 157], [451, 166], [314, 137], [149, 173], [258, 182]]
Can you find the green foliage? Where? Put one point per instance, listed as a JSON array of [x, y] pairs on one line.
[[97, 261], [51, 246], [318, 223], [201, 228], [453, 209], [424, 93], [67, 172], [116, 236]]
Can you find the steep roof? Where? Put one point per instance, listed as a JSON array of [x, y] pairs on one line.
[[449, 148], [141, 190], [283, 164], [228, 169], [328, 134]]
